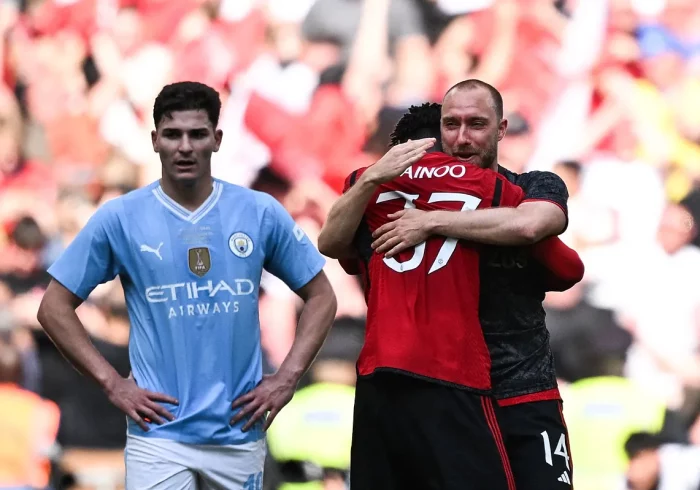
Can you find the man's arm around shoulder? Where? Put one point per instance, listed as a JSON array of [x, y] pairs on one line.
[[540, 214], [534, 219], [526, 224], [339, 230], [336, 237]]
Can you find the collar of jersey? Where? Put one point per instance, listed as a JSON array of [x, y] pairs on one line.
[[184, 213]]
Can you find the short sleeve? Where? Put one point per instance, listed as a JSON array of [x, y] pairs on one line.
[[545, 186], [352, 178], [89, 260], [289, 253], [511, 195]]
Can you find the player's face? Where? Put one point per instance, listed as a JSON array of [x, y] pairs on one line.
[[470, 128], [185, 142]]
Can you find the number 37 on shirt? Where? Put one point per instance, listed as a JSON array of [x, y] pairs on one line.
[[469, 203]]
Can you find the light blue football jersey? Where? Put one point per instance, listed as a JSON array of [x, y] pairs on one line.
[[191, 281]]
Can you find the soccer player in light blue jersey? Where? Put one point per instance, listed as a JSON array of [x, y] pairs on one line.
[[190, 250]]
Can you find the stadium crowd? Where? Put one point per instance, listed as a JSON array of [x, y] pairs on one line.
[[606, 93]]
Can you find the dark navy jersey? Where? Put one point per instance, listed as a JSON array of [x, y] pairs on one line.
[[510, 307]]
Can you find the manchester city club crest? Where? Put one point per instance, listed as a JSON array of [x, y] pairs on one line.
[[240, 244], [199, 260]]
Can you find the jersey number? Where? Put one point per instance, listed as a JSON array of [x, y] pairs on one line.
[[560, 450], [469, 203]]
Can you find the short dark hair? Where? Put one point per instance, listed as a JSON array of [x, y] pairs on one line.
[[473, 83], [421, 121], [187, 96], [638, 442]]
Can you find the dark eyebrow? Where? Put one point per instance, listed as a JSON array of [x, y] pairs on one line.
[[201, 129]]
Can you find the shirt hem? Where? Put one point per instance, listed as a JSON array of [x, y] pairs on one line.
[[247, 438], [449, 384]]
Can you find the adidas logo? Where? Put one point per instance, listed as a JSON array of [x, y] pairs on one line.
[[564, 478]]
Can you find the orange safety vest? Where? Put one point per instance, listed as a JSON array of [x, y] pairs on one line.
[[28, 429]]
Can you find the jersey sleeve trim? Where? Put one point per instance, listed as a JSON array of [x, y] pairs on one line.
[[75, 289], [314, 269], [566, 214], [497, 193], [353, 178], [534, 199]]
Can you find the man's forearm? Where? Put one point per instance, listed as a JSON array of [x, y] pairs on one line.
[[314, 324], [494, 226], [338, 232], [63, 326], [527, 224]]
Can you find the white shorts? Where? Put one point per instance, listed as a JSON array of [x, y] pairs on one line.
[[162, 464]]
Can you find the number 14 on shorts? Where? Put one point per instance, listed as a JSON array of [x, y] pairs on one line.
[[559, 450]]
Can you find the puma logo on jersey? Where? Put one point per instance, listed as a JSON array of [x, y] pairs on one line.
[[155, 251], [455, 171]]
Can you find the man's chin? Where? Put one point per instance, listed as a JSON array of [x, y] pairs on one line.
[[186, 179]]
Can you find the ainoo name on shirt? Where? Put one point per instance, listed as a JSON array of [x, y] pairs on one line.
[[455, 171], [222, 292]]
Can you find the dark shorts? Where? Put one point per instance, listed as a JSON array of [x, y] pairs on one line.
[[538, 445], [410, 433]]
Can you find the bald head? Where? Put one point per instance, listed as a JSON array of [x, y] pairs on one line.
[[10, 364], [474, 84]]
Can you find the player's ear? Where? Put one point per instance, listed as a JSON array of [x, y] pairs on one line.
[[154, 140], [218, 135], [502, 128]]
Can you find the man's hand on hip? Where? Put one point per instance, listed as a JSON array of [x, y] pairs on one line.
[[271, 395], [140, 405], [408, 228], [397, 160]]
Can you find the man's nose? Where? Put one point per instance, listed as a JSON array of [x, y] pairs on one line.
[[185, 145], [463, 137]]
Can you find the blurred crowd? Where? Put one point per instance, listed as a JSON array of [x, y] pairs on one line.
[[606, 93]]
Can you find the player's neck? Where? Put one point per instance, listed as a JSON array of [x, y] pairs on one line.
[[190, 197]]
